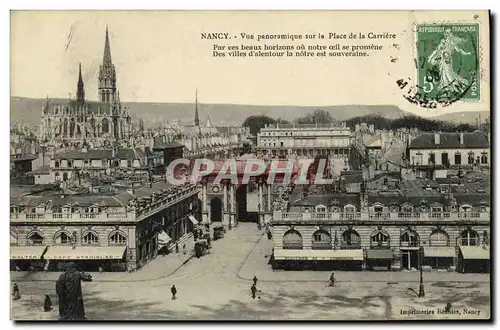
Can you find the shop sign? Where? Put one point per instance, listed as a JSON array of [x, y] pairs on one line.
[[83, 257], [25, 257]]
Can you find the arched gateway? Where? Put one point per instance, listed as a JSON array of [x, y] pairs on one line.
[[232, 191]]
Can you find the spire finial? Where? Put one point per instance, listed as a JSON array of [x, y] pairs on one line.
[[196, 115], [80, 91], [106, 61]]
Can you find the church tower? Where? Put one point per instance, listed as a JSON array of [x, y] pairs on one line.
[[107, 75], [80, 90]]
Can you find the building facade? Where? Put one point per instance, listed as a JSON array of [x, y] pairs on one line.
[[400, 225], [450, 149], [114, 231], [304, 140]]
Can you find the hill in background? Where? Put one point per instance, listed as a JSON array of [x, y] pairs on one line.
[[28, 110]]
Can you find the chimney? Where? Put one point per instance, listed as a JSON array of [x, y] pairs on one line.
[[461, 138], [437, 138]]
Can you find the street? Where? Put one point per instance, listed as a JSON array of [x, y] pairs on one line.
[[217, 287]]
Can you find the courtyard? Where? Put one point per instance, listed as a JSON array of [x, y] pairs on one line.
[[217, 287]]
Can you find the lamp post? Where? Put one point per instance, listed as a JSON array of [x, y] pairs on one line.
[[258, 217], [421, 290], [230, 215]]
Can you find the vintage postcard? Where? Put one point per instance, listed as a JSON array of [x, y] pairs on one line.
[[250, 165]]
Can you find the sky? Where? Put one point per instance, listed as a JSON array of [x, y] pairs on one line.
[[160, 57]]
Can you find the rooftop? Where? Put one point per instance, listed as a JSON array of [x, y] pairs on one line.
[[475, 139]]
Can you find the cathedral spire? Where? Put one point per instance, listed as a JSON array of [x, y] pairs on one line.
[[106, 61], [80, 91], [107, 75], [196, 115]]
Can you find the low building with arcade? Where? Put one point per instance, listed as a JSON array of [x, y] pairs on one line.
[[409, 225], [108, 229]]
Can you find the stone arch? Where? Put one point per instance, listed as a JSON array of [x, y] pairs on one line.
[[105, 126], [117, 237], [321, 240], [439, 237], [62, 237], [410, 238], [292, 240], [35, 237], [65, 126], [469, 237], [90, 237], [72, 126], [380, 237], [351, 239]]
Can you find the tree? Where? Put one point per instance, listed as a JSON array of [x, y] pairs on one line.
[[246, 149], [255, 123], [282, 121], [141, 125], [317, 117]]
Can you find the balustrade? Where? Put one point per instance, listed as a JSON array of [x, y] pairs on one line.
[[370, 216]]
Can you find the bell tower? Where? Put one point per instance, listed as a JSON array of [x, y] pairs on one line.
[[107, 75]]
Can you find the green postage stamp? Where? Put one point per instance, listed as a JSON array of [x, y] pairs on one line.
[[448, 61]]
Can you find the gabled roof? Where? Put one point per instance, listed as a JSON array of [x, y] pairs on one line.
[[476, 139]]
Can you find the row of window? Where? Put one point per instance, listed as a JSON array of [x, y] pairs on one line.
[[86, 163], [292, 239], [65, 238], [458, 158], [302, 133], [379, 208]]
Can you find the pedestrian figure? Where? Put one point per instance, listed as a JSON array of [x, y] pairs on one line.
[[332, 279], [176, 247], [184, 249], [174, 292], [447, 309], [47, 305], [255, 280], [254, 291], [16, 293]]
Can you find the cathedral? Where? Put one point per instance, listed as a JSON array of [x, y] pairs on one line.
[[80, 122]]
